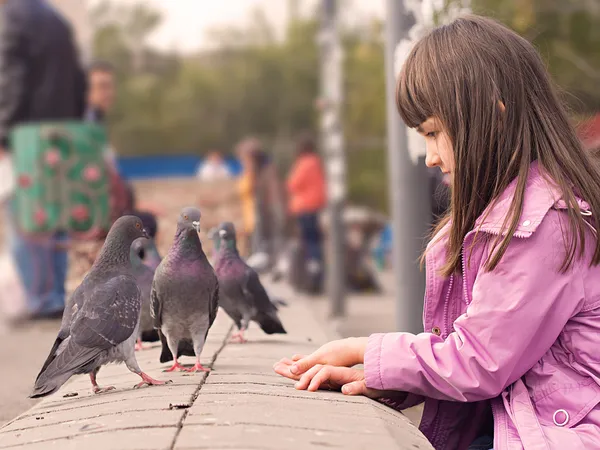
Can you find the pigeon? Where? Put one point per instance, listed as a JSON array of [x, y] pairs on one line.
[[213, 234], [101, 320], [243, 297], [144, 261], [185, 294]]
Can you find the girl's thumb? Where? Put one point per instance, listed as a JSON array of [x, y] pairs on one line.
[[354, 388]]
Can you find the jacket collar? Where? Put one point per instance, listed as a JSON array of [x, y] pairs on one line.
[[541, 194]]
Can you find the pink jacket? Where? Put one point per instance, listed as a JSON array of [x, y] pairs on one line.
[[524, 338]]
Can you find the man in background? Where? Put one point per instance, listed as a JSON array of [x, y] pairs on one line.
[[40, 80], [101, 91], [214, 168]]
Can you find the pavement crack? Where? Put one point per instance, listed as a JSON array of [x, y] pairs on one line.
[[196, 393]]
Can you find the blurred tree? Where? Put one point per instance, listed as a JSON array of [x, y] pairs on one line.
[[567, 34]]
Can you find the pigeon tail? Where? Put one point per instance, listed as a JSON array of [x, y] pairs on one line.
[[74, 359], [270, 323], [51, 356], [150, 336]]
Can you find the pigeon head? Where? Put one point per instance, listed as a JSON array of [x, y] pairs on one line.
[[189, 219], [129, 227], [226, 234]]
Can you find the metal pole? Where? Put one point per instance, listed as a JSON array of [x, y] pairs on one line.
[[410, 202], [333, 147]]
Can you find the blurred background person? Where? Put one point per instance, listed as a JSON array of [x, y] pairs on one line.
[[101, 91], [41, 80], [307, 198], [100, 100], [262, 204], [101, 97], [214, 168]]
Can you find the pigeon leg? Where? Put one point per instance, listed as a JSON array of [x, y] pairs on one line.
[[174, 346], [197, 368], [138, 345], [199, 340], [147, 380], [97, 389], [133, 366], [176, 366], [239, 337]]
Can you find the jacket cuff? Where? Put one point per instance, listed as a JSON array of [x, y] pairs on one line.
[[372, 363]]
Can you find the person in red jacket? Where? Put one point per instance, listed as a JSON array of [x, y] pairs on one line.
[[307, 197]]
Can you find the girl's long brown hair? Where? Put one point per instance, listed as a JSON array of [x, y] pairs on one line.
[[462, 73]]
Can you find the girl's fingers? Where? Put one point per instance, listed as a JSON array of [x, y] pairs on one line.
[[284, 370], [297, 357], [305, 379], [286, 361], [321, 378], [360, 388], [355, 388], [304, 364]]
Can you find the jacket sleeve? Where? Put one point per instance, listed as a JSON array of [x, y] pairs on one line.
[[517, 312], [13, 68]]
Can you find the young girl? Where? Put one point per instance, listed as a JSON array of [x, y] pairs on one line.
[[512, 305]]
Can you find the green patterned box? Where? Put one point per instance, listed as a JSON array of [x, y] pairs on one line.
[[61, 177]]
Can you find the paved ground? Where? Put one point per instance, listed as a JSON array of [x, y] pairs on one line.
[[241, 404], [366, 314]]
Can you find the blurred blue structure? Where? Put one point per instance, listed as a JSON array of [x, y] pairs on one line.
[[384, 247], [179, 166]]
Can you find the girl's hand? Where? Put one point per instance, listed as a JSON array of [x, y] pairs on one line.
[[350, 381], [345, 353]]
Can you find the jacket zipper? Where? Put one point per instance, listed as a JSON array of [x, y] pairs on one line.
[[446, 306]]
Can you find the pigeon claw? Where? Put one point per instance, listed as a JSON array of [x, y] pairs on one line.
[[149, 381], [176, 366], [197, 368], [238, 338], [139, 346], [100, 390]]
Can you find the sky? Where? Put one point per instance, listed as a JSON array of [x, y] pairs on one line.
[[187, 22]]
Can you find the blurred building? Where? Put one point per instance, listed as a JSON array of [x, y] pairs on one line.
[[77, 12]]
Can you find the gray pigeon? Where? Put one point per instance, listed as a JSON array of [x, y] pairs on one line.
[[144, 261], [185, 294], [243, 296], [101, 319]]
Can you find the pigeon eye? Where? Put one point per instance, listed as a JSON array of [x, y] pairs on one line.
[[138, 226], [185, 217]]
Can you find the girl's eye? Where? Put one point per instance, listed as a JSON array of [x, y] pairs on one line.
[[431, 134]]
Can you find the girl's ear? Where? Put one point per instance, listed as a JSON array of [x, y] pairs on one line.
[[501, 106]]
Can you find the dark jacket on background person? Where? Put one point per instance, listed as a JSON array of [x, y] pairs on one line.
[[41, 78]]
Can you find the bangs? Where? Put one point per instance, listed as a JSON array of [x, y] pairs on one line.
[[415, 92]]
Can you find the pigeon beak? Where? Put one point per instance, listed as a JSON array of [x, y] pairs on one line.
[[145, 233], [222, 233], [196, 225]]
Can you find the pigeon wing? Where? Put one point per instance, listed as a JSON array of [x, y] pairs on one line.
[[110, 314]]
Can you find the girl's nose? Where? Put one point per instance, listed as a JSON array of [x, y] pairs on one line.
[[432, 159]]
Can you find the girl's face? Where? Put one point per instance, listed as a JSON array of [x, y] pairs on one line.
[[439, 146]]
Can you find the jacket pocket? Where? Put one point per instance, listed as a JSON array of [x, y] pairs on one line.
[[567, 402]]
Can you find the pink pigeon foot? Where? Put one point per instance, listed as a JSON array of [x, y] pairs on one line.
[[139, 346], [97, 389], [238, 337], [198, 368], [176, 366], [147, 380]]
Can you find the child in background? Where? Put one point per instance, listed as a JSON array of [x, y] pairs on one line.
[[509, 357]]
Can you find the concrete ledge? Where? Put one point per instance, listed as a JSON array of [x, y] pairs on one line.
[[240, 404]]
